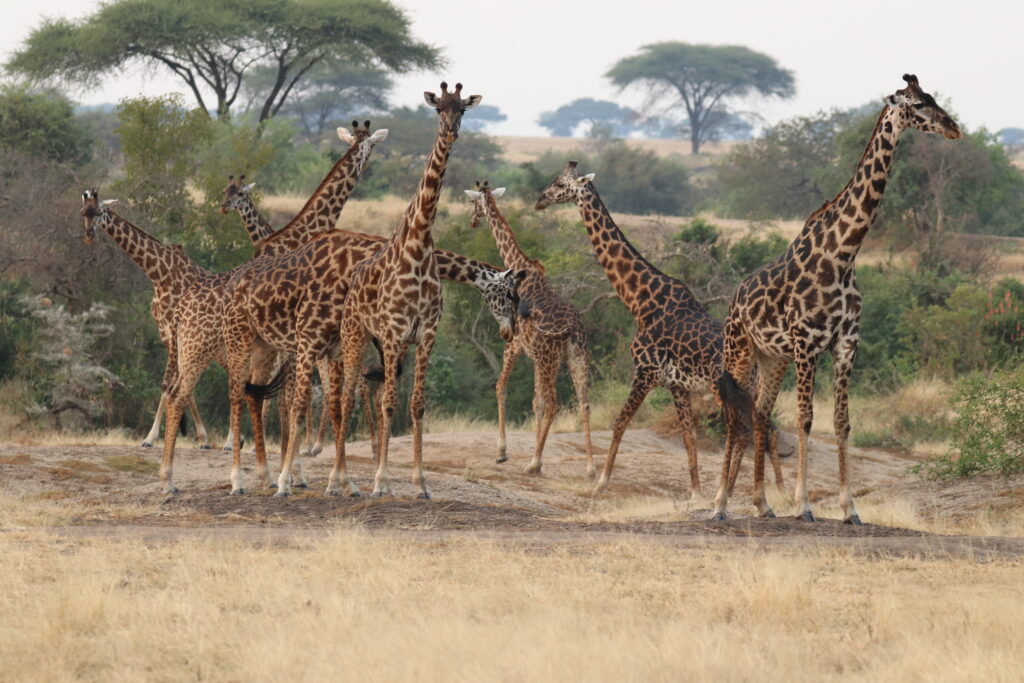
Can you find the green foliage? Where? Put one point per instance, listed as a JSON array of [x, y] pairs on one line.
[[749, 254], [17, 328], [398, 163], [988, 432], [630, 180], [563, 121], [787, 172], [42, 124], [698, 231], [160, 141], [214, 46], [703, 78]]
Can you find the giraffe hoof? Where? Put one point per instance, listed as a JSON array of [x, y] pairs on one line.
[[854, 520], [718, 517], [206, 447], [807, 516], [533, 469], [282, 494], [423, 496], [146, 444], [500, 459], [237, 492], [355, 494], [767, 514], [302, 485]]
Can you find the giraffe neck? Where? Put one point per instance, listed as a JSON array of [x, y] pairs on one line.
[[512, 254], [419, 216], [839, 227], [466, 271], [629, 272], [164, 265], [255, 224], [322, 210]]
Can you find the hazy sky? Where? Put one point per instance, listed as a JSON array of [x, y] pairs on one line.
[[531, 56]]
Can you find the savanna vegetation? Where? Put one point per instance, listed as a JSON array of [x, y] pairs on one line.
[[78, 347]]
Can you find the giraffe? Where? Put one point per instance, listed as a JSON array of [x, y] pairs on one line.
[[677, 344], [549, 331], [236, 198], [198, 334], [169, 270], [806, 302], [395, 300]]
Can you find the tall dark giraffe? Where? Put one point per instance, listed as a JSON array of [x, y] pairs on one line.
[[677, 344], [395, 299], [806, 302], [549, 332], [171, 273]]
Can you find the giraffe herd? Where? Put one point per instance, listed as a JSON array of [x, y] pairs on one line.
[[314, 296]]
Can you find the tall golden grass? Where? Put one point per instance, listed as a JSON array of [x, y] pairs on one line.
[[348, 605]]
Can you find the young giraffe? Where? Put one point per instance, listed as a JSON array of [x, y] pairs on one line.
[[395, 299], [806, 302], [171, 273], [197, 331], [677, 344], [549, 331]]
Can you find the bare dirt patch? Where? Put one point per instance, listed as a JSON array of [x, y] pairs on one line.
[[105, 487]]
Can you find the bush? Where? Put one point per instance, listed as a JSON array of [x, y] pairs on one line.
[[988, 432]]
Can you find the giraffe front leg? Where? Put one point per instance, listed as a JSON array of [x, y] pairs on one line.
[[643, 382], [299, 403], [202, 438], [805, 370], [417, 405], [344, 377], [508, 362], [842, 358], [154, 431], [684, 412], [545, 405], [388, 402], [579, 372]]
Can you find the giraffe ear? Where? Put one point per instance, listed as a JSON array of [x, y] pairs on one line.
[[431, 99], [345, 135], [589, 176], [108, 202], [498, 192], [379, 136], [472, 101], [473, 194], [897, 99], [521, 275], [246, 188]]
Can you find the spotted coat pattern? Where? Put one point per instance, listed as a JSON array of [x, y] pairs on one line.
[[806, 302], [395, 300], [549, 331], [677, 343]]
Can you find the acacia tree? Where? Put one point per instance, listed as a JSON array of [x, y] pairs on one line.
[[213, 46], [562, 122], [703, 77]]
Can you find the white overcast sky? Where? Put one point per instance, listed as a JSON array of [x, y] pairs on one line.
[[530, 56]]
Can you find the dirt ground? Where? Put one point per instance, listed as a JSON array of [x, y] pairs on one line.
[[114, 491]]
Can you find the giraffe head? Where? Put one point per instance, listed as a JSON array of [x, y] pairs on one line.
[[361, 142], [236, 194], [566, 187], [94, 211], [499, 289], [917, 109], [478, 196], [450, 107]]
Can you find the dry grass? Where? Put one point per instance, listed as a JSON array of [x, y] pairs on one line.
[[351, 606], [520, 149], [376, 216]]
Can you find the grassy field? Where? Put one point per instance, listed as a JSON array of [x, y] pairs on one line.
[[345, 604]]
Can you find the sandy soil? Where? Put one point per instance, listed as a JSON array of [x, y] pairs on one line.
[[114, 490]]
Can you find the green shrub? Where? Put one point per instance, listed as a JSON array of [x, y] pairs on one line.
[[988, 432]]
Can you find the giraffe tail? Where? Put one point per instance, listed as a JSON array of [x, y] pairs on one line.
[[265, 391], [736, 402]]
